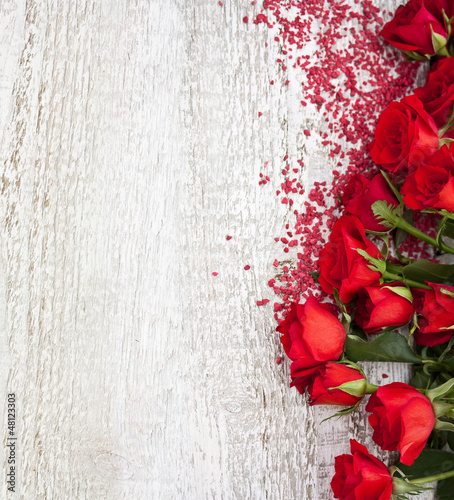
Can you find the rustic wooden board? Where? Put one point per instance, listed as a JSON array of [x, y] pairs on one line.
[[131, 146]]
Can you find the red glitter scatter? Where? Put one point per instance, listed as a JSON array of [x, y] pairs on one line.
[[221, 4], [262, 302], [247, 267], [350, 78], [215, 274], [260, 114], [228, 237], [384, 375], [307, 133], [245, 19], [278, 360]]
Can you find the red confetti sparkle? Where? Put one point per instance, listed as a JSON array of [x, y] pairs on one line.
[[350, 79]]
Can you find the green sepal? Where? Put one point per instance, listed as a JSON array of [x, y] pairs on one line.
[[438, 41], [346, 318], [402, 291], [392, 187], [443, 426], [414, 55], [447, 292], [376, 264], [402, 487], [445, 141], [355, 388], [343, 412], [441, 390]]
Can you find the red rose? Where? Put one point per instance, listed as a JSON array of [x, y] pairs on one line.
[[361, 476], [361, 193], [436, 309], [402, 419], [405, 136], [341, 266], [412, 29], [322, 390], [437, 95], [431, 185], [311, 336], [383, 307], [436, 8]]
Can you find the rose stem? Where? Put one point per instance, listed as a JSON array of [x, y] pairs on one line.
[[431, 479], [409, 283], [403, 224]]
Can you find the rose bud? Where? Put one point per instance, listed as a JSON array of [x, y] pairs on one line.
[[402, 419], [311, 335], [361, 193], [431, 185], [336, 384], [436, 310], [361, 476], [405, 136], [416, 31], [384, 306], [341, 265], [437, 95]]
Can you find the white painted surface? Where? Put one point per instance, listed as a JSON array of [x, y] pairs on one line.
[[131, 147]]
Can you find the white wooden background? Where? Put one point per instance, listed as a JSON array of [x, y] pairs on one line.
[[131, 146]]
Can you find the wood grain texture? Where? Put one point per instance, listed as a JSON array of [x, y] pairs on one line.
[[131, 146]]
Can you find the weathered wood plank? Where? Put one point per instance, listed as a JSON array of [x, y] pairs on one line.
[[131, 146]]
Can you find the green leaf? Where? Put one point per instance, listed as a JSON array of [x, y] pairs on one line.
[[451, 440], [429, 463], [388, 215], [448, 229], [424, 270], [445, 489], [315, 276], [389, 346], [421, 380]]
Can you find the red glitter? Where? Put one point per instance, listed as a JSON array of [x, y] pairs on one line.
[[228, 237], [262, 302], [350, 79], [384, 375], [245, 19], [247, 267], [215, 274], [221, 4], [278, 360]]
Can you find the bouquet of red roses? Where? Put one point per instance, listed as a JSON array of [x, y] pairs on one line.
[[379, 282]]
